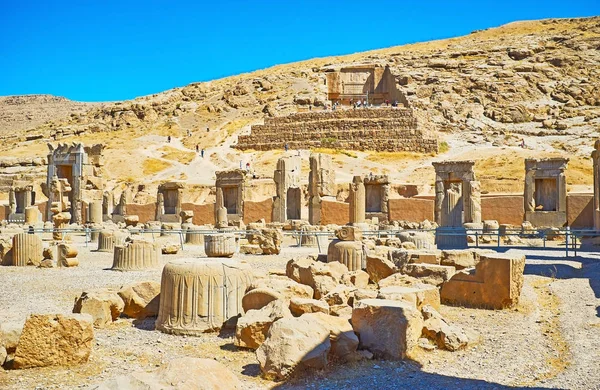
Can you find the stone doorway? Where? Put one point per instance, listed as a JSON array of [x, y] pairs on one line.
[[294, 203]]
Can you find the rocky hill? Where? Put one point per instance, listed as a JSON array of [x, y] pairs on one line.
[[481, 94]]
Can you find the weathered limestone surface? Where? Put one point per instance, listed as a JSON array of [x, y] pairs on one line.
[[55, 340], [258, 298], [341, 335], [140, 299], [168, 201], [389, 329], [287, 203], [290, 343], [252, 328], [26, 249], [596, 164], [350, 253], [219, 245], [200, 296], [494, 283], [136, 254], [103, 305]]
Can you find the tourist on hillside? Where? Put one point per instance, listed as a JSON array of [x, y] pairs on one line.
[[169, 139], [248, 167], [202, 153], [197, 148], [286, 147]]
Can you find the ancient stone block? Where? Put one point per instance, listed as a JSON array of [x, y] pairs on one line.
[[349, 233], [103, 305], [341, 335], [55, 340], [290, 343], [258, 298], [350, 253], [135, 255], [219, 245], [299, 306], [495, 283], [430, 273], [67, 255], [200, 296], [389, 329], [379, 268], [419, 295], [26, 249], [252, 328], [140, 299]]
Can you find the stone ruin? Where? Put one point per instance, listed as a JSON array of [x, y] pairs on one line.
[[545, 194], [287, 204], [373, 83], [357, 201], [79, 167], [457, 200], [20, 197], [232, 185], [378, 129], [168, 202], [596, 162], [377, 194], [321, 185]]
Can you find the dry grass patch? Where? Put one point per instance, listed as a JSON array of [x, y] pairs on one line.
[[393, 157], [181, 156], [235, 125], [152, 166]]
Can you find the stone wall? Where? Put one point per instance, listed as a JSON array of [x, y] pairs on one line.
[[383, 129], [503, 208], [337, 213], [580, 210], [253, 211], [411, 209]]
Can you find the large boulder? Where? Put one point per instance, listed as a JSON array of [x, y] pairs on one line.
[[389, 329], [321, 277], [293, 342], [181, 373], [141, 299], [430, 273], [359, 279], [252, 328], [55, 340], [344, 341], [103, 305], [10, 332]]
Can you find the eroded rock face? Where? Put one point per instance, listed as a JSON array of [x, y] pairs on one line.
[[270, 241], [379, 268], [293, 342], [141, 299], [389, 329], [55, 340], [104, 305], [438, 330], [252, 328]]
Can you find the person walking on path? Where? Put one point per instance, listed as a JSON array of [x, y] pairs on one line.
[[286, 147], [202, 153]]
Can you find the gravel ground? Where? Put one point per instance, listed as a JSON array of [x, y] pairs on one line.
[[551, 340]]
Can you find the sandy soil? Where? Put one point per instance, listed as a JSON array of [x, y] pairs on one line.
[[551, 340]]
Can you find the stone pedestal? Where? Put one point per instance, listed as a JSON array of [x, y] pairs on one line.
[[135, 255], [95, 212], [27, 249], [219, 245], [193, 237], [107, 239], [200, 296], [349, 253], [32, 215], [60, 221]]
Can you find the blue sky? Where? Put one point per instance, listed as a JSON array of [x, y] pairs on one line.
[[92, 50]]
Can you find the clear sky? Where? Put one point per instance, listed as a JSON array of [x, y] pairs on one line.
[[102, 50]]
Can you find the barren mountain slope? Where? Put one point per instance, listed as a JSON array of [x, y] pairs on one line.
[[18, 113], [481, 94]]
